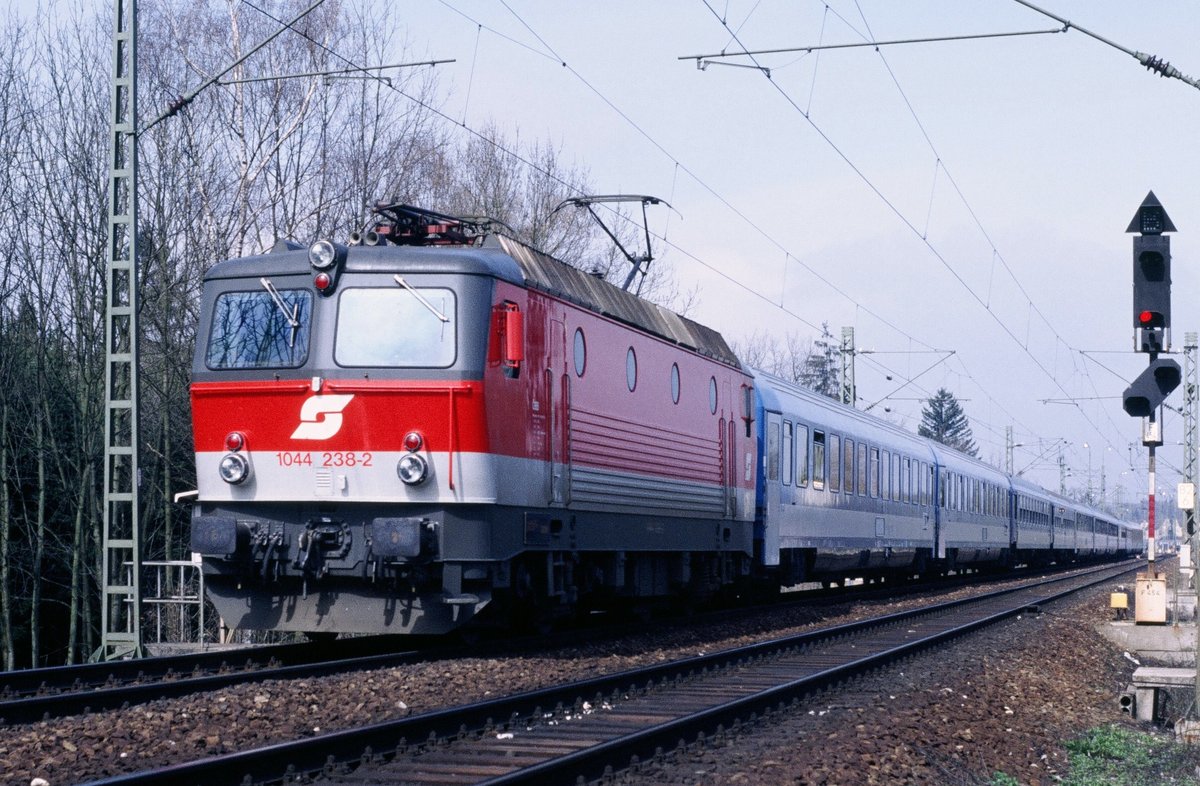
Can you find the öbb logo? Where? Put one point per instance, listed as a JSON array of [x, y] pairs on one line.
[[321, 417]]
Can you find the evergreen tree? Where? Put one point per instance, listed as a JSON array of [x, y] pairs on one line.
[[943, 420], [819, 371]]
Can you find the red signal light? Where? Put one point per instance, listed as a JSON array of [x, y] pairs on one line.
[[413, 441], [1146, 317], [322, 281], [235, 441]]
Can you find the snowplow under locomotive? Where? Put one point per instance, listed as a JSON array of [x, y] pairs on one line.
[[394, 435]]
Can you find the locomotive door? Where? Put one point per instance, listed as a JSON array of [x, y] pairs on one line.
[[558, 387], [728, 433]]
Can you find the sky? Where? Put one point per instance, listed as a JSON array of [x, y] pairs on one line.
[[960, 204]]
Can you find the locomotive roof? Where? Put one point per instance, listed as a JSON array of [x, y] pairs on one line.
[[549, 275], [507, 259]]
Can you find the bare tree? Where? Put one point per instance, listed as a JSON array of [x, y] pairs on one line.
[[244, 164], [809, 362]]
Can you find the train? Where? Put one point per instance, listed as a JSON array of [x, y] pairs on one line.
[[434, 427]]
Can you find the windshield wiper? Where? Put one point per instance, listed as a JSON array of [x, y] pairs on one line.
[[432, 309], [292, 317]]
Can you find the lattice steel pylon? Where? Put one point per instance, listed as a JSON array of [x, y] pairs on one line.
[[849, 391], [121, 598], [1189, 416]]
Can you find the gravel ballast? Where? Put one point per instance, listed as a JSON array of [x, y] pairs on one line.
[[1001, 700]]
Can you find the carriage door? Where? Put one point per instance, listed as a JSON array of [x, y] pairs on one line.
[[772, 468], [940, 523], [558, 384]]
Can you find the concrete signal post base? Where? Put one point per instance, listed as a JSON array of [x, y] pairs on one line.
[[1151, 605]]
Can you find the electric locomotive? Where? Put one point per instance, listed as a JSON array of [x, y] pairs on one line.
[[436, 423]]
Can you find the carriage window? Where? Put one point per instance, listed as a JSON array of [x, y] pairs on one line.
[[267, 328], [773, 451], [414, 327], [848, 467], [835, 462], [675, 382], [861, 458], [631, 370], [873, 474], [895, 477], [819, 460], [787, 452], [886, 479], [802, 456], [885, 475], [906, 480]]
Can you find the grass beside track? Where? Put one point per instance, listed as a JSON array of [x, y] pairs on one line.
[[1120, 756]]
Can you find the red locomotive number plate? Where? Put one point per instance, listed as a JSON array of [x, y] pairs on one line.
[[345, 459], [336, 458]]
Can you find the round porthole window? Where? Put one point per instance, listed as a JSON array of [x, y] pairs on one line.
[[675, 382], [580, 352], [631, 369], [712, 395]]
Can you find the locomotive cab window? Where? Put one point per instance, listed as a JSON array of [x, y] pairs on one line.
[[267, 328], [413, 327]]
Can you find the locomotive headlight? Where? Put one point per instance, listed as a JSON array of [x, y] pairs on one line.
[[322, 254], [234, 469], [412, 469]]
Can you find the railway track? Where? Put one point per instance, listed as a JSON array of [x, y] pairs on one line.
[[588, 728], [39, 694]]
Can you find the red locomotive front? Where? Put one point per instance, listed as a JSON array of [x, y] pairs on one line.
[[391, 437]]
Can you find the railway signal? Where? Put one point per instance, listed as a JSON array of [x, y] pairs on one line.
[[1146, 394], [1151, 277], [1151, 334]]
